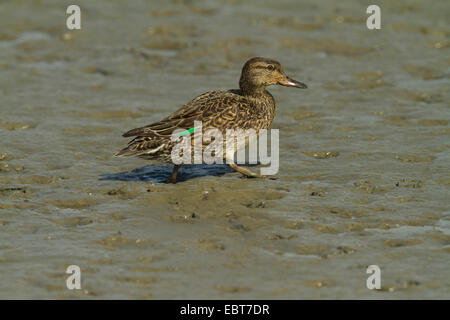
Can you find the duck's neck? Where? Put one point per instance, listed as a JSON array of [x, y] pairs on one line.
[[250, 89]]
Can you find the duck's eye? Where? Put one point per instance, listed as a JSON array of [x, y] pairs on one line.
[[270, 67]]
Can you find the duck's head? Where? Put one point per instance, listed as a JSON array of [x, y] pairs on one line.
[[258, 73]]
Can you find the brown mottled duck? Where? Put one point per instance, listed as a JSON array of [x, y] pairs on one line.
[[249, 107]]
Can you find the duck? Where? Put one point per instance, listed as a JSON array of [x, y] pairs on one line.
[[249, 107]]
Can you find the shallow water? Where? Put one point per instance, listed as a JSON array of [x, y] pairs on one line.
[[364, 152]]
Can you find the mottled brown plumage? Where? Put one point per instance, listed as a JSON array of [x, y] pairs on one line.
[[249, 107]]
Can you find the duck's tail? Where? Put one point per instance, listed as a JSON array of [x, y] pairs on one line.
[[125, 152], [142, 146]]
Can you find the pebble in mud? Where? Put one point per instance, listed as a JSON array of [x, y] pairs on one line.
[[426, 97], [123, 193], [423, 72], [4, 167], [278, 236], [16, 126], [118, 240], [318, 283], [409, 183], [211, 244], [182, 218], [256, 204], [296, 225], [401, 243], [73, 221], [15, 191], [238, 226], [231, 289], [366, 186], [415, 158], [322, 154]]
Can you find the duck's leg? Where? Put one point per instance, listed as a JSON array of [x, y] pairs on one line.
[[243, 171], [246, 172], [173, 176]]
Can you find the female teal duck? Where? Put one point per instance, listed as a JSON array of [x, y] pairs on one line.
[[250, 107]]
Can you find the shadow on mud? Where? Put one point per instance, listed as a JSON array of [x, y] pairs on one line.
[[159, 173]]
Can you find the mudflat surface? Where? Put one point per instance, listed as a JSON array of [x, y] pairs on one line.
[[364, 152]]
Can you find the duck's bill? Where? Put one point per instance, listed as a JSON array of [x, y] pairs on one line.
[[288, 82]]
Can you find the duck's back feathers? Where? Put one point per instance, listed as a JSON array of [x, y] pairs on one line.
[[216, 109]]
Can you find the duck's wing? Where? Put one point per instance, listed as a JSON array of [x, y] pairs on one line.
[[212, 108], [201, 108]]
